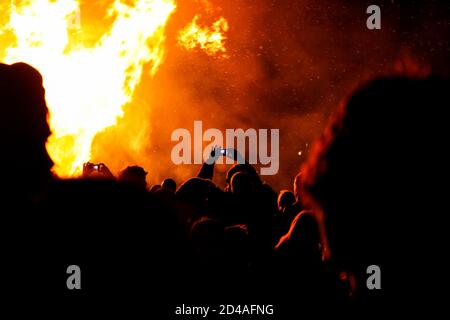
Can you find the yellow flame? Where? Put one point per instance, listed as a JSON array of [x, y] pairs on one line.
[[86, 87], [210, 39]]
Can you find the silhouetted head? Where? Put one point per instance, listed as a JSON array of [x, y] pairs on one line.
[[195, 191], [23, 126], [376, 168], [169, 184], [245, 168], [135, 176], [286, 199], [241, 184]]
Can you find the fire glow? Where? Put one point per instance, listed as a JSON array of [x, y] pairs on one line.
[[211, 40], [86, 86]]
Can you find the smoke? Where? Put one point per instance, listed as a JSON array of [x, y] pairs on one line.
[[290, 64]]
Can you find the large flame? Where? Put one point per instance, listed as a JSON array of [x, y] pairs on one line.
[[86, 87], [210, 39]]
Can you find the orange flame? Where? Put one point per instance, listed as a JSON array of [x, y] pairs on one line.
[[86, 87], [210, 39]]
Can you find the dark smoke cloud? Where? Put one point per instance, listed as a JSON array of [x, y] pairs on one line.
[[291, 63]]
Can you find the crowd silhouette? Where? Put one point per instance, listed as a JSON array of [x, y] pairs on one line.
[[364, 197]]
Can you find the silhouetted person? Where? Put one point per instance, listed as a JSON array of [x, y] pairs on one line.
[[376, 174], [241, 185], [169, 184], [244, 168], [288, 208], [193, 200], [286, 199], [302, 244], [166, 193], [134, 176], [26, 178], [24, 130], [49, 224]]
